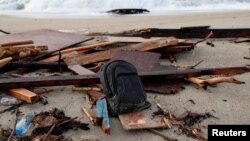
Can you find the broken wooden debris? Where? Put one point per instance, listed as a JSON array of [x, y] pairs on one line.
[[36, 65], [22, 51], [78, 69], [92, 119], [56, 58], [50, 138], [16, 43], [108, 54], [125, 11], [88, 47], [241, 40], [190, 118], [185, 122], [190, 133], [5, 61], [186, 33], [163, 86], [55, 40], [94, 96], [43, 122], [12, 107], [142, 119], [130, 39], [94, 79], [79, 89], [205, 82], [24, 95]]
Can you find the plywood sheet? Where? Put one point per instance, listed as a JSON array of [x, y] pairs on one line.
[[55, 40], [142, 120]]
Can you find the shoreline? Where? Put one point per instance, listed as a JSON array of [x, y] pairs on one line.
[[104, 15], [111, 24]]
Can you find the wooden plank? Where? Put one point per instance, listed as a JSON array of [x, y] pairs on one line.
[[89, 47], [78, 69], [55, 40], [22, 51], [94, 79], [131, 39], [55, 58], [5, 61], [108, 54], [15, 43], [186, 33], [142, 119], [24, 94]]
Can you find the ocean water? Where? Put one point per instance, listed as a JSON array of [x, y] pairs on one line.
[[98, 7]]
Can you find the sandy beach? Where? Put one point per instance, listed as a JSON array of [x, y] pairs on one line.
[[228, 102]]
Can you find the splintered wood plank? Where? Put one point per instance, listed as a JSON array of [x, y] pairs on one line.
[[55, 40], [24, 94], [89, 47], [5, 61], [108, 54], [15, 43], [55, 58], [143, 61], [132, 39], [142, 120], [78, 69]]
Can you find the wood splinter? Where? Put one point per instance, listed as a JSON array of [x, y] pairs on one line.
[[79, 89], [90, 117], [205, 82], [5, 61]]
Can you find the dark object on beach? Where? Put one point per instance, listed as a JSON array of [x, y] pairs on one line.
[[126, 95], [128, 11], [56, 121], [5, 32], [192, 32]]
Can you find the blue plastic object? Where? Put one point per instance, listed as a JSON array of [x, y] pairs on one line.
[[24, 124]]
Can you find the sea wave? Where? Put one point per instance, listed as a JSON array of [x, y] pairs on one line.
[[103, 5]]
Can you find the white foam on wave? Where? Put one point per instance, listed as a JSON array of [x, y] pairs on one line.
[[97, 7]]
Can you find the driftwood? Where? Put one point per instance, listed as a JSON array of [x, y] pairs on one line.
[[5, 61], [88, 47], [79, 89], [22, 51], [16, 43], [241, 40], [205, 82], [94, 79], [92, 119], [185, 122]]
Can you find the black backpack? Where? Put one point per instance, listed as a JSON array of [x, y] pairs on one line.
[[123, 88]]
